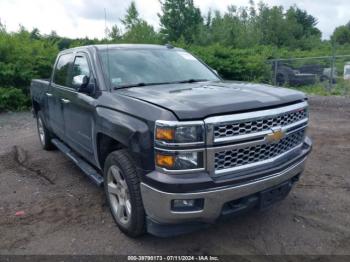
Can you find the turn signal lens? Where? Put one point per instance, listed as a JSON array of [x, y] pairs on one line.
[[165, 133], [165, 160], [173, 133]]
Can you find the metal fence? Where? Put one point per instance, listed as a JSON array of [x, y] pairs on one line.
[[328, 74]]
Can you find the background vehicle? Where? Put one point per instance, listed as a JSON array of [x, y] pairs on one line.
[[175, 146], [323, 73], [287, 75], [347, 71], [307, 74]]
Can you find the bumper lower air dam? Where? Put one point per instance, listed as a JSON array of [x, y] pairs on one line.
[[160, 215]]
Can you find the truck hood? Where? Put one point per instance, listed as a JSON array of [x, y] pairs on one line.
[[200, 100]]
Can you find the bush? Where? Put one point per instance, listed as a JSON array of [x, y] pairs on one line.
[[23, 58], [236, 64], [13, 99]]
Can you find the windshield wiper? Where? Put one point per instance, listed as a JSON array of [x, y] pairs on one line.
[[192, 81], [127, 86], [140, 84], [160, 83]]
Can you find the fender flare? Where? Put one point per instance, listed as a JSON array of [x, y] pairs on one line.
[[131, 132]]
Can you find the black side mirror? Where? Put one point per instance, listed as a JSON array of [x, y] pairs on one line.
[[81, 83]]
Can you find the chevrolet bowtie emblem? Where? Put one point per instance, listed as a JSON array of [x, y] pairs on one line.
[[275, 136]]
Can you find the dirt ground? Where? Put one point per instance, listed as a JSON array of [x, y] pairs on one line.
[[64, 213]]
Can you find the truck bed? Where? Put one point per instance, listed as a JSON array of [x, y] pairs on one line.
[[38, 88]]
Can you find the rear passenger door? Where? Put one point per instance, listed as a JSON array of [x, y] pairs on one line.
[[60, 79]]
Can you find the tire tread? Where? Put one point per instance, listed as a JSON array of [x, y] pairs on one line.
[[123, 159]]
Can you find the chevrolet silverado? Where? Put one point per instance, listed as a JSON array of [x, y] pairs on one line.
[[175, 147]]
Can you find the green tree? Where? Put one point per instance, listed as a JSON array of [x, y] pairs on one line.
[[132, 17], [115, 33], [341, 34], [204, 36], [236, 27], [244, 27], [273, 27], [2, 27], [137, 29], [305, 34], [306, 22], [180, 18], [294, 28], [141, 33], [35, 34]]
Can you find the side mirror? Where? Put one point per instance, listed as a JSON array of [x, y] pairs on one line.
[[81, 83], [215, 71]]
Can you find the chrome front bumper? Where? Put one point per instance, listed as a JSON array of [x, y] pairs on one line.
[[157, 204]]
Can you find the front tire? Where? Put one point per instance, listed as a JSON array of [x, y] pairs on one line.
[[122, 188], [43, 133]]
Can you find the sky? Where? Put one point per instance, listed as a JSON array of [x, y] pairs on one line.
[[81, 18]]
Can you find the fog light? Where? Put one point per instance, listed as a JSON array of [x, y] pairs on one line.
[[184, 205]]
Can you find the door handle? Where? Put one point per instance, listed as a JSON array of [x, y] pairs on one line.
[[65, 101], [49, 94]]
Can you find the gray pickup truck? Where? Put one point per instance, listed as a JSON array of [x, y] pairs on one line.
[[175, 147]]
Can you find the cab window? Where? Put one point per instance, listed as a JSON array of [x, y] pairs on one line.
[[61, 73]]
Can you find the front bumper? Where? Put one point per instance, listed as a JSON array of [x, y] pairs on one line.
[[157, 203]]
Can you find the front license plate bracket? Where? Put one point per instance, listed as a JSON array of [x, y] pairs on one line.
[[272, 195]]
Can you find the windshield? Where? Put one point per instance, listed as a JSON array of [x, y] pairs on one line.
[[129, 67]]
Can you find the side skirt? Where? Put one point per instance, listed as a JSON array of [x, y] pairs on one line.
[[90, 171]]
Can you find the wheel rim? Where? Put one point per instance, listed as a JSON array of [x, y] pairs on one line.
[[119, 196], [41, 131]]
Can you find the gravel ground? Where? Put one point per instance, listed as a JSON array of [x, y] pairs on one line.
[[64, 213]]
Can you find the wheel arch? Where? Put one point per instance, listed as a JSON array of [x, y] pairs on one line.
[[116, 130], [106, 145], [36, 107]]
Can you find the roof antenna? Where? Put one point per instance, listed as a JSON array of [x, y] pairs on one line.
[[107, 45]]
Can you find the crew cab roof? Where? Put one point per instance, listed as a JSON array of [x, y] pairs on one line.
[[128, 46], [119, 46]]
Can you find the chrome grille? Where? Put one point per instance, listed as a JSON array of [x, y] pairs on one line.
[[253, 154], [242, 127]]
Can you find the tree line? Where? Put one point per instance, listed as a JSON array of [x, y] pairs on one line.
[[236, 42], [238, 27]]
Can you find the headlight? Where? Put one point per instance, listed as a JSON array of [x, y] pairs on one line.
[[170, 136], [179, 133], [179, 160]]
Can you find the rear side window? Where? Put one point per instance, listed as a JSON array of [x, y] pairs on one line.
[[61, 73]]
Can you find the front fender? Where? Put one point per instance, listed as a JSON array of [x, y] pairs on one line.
[[133, 133]]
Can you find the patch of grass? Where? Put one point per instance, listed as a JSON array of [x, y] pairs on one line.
[[340, 88]]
